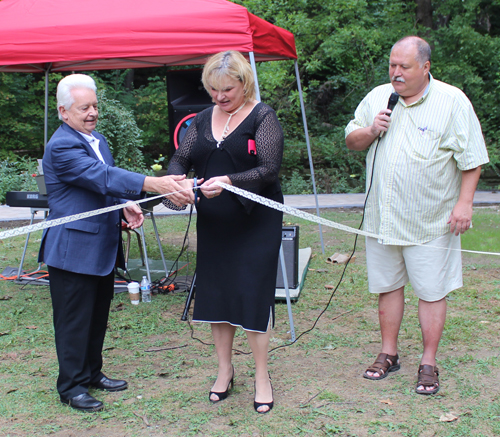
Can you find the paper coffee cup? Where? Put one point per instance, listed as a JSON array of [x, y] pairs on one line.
[[134, 293]]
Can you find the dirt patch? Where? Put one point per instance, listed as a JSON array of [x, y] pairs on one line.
[[10, 224]]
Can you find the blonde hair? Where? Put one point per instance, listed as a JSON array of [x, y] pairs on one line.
[[230, 64]]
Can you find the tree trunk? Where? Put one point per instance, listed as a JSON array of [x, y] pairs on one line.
[[424, 13], [129, 79]]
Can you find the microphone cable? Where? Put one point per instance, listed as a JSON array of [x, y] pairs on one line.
[[393, 99]]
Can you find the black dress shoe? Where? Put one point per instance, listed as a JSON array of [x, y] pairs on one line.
[[84, 402], [109, 384]]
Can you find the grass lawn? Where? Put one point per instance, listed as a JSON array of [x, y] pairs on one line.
[[318, 384]]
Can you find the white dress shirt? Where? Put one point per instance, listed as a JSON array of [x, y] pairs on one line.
[[94, 143]]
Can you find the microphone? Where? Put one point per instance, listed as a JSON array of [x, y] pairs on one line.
[[393, 99]]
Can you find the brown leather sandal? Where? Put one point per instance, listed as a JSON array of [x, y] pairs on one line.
[[428, 376], [383, 365]]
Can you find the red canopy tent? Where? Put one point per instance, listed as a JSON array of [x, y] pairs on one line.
[[61, 35], [64, 35]]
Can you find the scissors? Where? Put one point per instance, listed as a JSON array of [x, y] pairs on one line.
[[195, 190]]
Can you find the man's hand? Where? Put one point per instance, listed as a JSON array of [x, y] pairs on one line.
[[133, 215], [381, 122], [180, 194], [188, 185], [361, 139], [461, 218]]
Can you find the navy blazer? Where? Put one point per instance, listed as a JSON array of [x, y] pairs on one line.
[[78, 181]]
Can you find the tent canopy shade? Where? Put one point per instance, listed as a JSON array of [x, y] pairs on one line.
[[60, 35]]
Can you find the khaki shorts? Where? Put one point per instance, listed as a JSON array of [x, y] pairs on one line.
[[433, 273]]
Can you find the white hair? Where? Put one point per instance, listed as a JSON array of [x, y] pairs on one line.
[[64, 97]]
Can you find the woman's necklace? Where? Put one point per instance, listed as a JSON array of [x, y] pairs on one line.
[[226, 127]]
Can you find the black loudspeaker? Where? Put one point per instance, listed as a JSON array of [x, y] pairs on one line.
[[186, 97], [290, 243]]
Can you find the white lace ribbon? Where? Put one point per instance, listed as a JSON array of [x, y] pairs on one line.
[[248, 195], [313, 218], [71, 218]]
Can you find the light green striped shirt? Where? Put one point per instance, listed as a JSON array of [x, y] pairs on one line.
[[419, 161]]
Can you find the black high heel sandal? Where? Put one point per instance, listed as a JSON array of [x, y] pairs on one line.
[[222, 395], [256, 404]]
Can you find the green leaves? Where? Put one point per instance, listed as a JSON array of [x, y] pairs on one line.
[[343, 48], [17, 176], [117, 123]]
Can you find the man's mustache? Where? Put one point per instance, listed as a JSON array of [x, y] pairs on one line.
[[398, 79]]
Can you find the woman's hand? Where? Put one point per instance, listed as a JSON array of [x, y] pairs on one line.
[[210, 189]]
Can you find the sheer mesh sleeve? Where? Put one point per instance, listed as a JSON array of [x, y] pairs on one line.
[[181, 163], [269, 145]]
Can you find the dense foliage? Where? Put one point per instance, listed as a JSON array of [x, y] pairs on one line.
[[343, 48], [17, 175], [117, 123]]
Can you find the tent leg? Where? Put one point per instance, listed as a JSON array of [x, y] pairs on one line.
[[46, 113], [254, 69], [306, 132], [303, 110], [287, 294]]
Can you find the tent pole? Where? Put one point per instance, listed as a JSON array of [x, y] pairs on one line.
[[254, 68], [282, 256], [306, 132], [46, 113]]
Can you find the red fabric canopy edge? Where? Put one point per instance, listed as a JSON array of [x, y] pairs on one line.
[[112, 34]]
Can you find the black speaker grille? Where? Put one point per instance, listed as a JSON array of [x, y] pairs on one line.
[[290, 243]]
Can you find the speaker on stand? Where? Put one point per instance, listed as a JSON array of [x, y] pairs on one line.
[[290, 243], [186, 97]]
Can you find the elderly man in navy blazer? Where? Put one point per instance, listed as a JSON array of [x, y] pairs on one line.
[[81, 256]]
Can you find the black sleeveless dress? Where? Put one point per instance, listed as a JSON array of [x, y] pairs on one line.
[[238, 240]]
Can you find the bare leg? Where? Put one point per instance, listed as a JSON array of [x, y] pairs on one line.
[[259, 343], [223, 334], [432, 316], [391, 308]]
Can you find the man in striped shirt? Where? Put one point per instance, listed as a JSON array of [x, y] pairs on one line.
[[423, 165]]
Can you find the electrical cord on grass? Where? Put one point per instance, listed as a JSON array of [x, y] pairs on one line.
[[168, 284]]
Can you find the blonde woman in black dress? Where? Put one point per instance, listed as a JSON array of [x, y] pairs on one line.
[[238, 141]]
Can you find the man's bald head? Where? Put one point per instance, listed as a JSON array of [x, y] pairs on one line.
[[423, 53]]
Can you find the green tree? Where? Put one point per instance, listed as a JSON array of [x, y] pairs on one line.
[[144, 91], [22, 103], [343, 48], [466, 48], [117, 123]]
